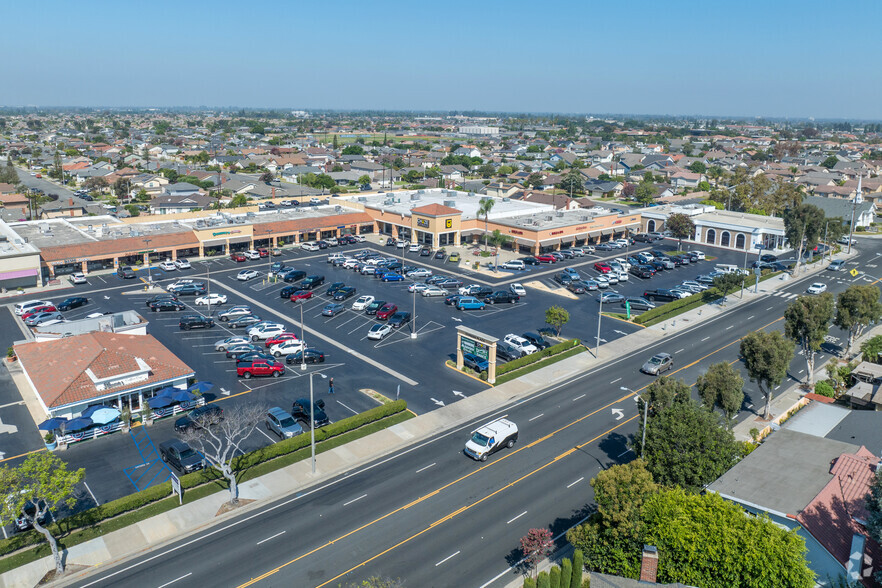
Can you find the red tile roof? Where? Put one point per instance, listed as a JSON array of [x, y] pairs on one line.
[[832, 516], [311, 223], [57, 368], [435, 210]]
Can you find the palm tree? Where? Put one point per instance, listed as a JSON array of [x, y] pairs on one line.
[[484, 209]]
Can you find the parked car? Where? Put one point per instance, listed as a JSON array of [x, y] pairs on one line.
[[660, 295], [237, 350], [453, 257], [287, 347], [507, 351], [181, 456], [434, 291], [168, 266], [263, 332], [419, 273], [78, 278], [261, 367], [546, 258], [374, 306], [208, 414], [642, 271], [333, 288], [312, 356], [195, 321], [362, 302], [243, 321], [211, 299], [502, 296], [378, 331], [72, 302], [280, 338], [301, 295], [399, 319], [224, 344], [234, 311], [518, 289], [312, 282], [520, 344], [638, 304], [247, 274], [536, 339], [300, 410], [333, 309], [386, 311], [44, 318], [658, 364], [238, 257], [166, 304], [182, 263], [344, 293], [514, 264], [281, 423], [602, 267], [126, 272], [610, 297], [474, 362], [469, 303], [293, 275]]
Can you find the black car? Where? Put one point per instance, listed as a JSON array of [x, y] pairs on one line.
[[425, 252], [344, 293], [159, 297], [286, 292], [322, 244], [390, 242], [126, 272], [658, 253], [399, 319], [567, 253], [508, 352], [312, 356], [72, 302], [279, 267], [293, 275], [681, 259], [163, 305], [180, 455], [660, 295], [452, 299], [563, 279], [300, 411], [536, 339], [656, 265], [576, 287], [435, 279], [208, 414], [641, 271], [334, 287], [530, 261], [644, 238], [768, 258], [374, 306], [502, 296], [191, 290], [440, 254], [312, 282], [195, 321], [449, 284]]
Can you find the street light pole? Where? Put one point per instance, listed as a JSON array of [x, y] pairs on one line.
[[302, 344], [413, 331], [149, 275], [858, 199], [599, 311], [312, 416], [645, 415]]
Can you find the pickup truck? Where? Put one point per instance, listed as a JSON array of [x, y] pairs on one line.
[[261, 367], [180, 455]]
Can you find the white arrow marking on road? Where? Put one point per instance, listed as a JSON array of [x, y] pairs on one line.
[[619, 413], [458, 393], [225, 392], [438, 402], [107, 298], [456, 319]]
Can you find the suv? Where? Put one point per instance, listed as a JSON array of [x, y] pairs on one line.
[[300, 411], [126, 272], [181, 456], [293, 275], [191, 290], [502, 296], [166, 304], [195, 321], [259, 367], [312, 282], [491, 438], [282, 423], [208, 413]]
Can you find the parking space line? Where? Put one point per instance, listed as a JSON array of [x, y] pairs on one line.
[[92, 494], [347, 408], [261, 431]]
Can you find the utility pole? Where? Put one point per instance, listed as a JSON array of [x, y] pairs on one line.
[[858, 199], [645, 415], [599, 311]]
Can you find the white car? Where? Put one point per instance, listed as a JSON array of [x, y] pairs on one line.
[[379, 331], [514, 264], [350, 263], [223, 344], [252, 254], [182, 263], [78, 278], [362, 302], [246, 275], [622, 243], [520, 344], [817, 288], [358, 238], [168, 266], [287, 347], [464, 291], [623, 262], [602, 282], [419, 273], [622, 275], [401, 244], [698, 254], [211, 299], [415, 248], [264, 332], [518, 289], [309, 246], [434, 290], [173, 287], [417, 287]]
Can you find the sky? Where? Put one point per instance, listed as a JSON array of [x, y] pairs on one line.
[[777, 58]]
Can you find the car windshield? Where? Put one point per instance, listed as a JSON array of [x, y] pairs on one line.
[[287, 422], [480, 439], [376, 328], [187, 453]]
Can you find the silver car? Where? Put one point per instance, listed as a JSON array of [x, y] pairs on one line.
[[657, 364], [282, 423]]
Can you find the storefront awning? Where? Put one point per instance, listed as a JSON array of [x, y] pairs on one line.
[[214, 243], [527, 242], [607, 231], [245, 239], [594, 234]]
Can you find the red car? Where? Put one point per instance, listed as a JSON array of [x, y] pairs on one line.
[[386, 311], [262, 251], [48, 308], [280, 338], [602, 267], [238, 257], [546, 259], [301, 295]]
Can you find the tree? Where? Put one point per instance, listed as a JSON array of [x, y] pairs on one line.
[[353, 149], [681, 226], [807, 322], [856, 309], [628, 190], [238, 200], [222, 442], [121, 188], [133, 209], [728, 282], [557, 317], [573, 182], [40, 484], [566, 573], [664, 392], [644, 193], [688, 446], [620, 492], [266, 177], [536, 545], [96, 183], [364, 180], [766, 357], [535, 180], [722, 387], [803, 225], [830, 162], [874, 508], [487, 170], [578, 567], [498, 239], [484, 208], [697, 167]]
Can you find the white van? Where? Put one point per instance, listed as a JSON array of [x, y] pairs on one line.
[[491, 438], [726, 268], [837, 265], [26, 307]]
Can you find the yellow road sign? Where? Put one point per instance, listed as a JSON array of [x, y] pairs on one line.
[[854, 272]]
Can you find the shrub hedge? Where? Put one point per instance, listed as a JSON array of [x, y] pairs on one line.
[[533, 358], [150, 495]]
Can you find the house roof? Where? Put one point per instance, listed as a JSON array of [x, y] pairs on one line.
[[784, 474], [435, 210], [59, 369]]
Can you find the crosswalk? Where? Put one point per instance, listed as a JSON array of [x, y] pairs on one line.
[[784, 295]]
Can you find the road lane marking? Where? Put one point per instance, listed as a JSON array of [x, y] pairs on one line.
[[570, 485], [425, 468], [616, 380], [729, 327], [175, 580], [623, 453], [516, 518], [679, 350], [445, 559], [273, 537], [578, 397], [354, 500], [705, 339], [536, 417], [750, 317], [770, 308]]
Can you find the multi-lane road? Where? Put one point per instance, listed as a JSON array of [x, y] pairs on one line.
[[432, 516]]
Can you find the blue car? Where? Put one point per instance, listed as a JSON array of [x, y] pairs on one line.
[[392, 277], [469, 303], [475, 362], [572, 273]]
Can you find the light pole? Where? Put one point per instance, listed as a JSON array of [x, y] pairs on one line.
[[149, 275], [645, 415], [599, 314], [269, 254], [302, 344], [312, 416], [413, 331], [858, 199]]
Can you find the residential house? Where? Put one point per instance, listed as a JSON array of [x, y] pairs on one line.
[[453, 173], [170, 204], [864, 213], [603, 189], [867, 389], [181, 189], [682, 180]]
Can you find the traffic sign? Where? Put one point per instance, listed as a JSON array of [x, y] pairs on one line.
[[854, 272]]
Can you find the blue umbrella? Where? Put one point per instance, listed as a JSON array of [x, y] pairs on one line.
[[160, 402], [167, 391], [92, 410], [77, 424], [182, 396], [201, 387], [52, 424]]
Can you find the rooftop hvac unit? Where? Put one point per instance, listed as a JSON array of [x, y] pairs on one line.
[[506, 199], [389, 201], [584, 217], [361, 199], [415, 196], [450, 203], [549, 217], [338, 208], [560, 215], [421, 192], [89, 228]]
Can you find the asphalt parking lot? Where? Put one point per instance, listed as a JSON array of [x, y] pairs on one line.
[[119, 464]]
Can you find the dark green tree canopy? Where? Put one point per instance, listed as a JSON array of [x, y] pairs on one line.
[[857, 308], [766, 357]]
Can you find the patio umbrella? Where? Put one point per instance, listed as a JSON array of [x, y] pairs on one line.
[[201, 387], [167, 391], [104, 415], [182, 396], [92, 410], [52, 424], [159, 402], [77, 424]]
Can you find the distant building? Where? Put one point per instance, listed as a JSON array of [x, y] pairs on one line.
[[477, 130]]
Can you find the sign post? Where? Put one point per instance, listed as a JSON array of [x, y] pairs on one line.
[[628, 309], [479, 344], [176, 488]]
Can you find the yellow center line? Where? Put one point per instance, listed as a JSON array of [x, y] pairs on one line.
[[23, 454]]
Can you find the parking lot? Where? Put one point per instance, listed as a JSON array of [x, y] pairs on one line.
[[399, 364]]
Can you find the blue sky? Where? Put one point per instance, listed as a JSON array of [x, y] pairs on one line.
[[745, 58]]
